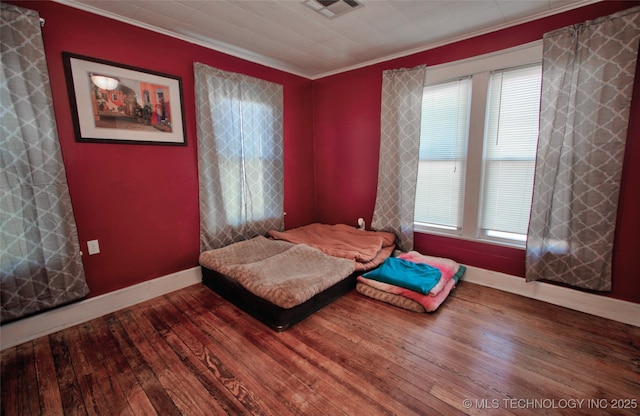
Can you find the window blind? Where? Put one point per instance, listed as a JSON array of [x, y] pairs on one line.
[[511, 137], [443, 140]]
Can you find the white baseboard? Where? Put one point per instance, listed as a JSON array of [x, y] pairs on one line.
[[46, 323], [605, 307]]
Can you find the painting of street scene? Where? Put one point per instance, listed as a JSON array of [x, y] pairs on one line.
[[120, 103]]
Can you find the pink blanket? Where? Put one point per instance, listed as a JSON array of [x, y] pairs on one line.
[[367, 248], [428, 302]]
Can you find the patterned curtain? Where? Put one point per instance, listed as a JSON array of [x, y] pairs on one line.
[[240, 156], [587, 83], [399, 153], [40, 258]]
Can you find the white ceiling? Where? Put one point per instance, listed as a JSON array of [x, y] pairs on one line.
[[287, 35]]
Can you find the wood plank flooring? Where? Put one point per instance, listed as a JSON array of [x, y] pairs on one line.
[[192, 353]]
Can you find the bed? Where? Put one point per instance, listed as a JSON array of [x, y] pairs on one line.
[[285, 277]]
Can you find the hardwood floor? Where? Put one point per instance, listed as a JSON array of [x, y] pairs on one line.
[[192, 353]]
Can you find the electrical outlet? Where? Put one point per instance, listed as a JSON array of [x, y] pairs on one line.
[[93, 246]]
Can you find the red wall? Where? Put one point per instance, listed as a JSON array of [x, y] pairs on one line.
[[347, 136], [141, 201]]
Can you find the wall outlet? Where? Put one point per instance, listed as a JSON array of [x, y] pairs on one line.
[[93, 246]]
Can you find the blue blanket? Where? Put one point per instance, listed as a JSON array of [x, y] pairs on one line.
[[418, 277]]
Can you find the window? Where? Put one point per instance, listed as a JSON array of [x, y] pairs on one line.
[[249, 160], [240, 156], [443, 140], [511, 136], [478, 145]]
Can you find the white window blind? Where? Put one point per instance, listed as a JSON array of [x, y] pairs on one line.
[[443, 141], [511, 136]]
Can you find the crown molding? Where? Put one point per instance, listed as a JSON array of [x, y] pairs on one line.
[[282, 66]]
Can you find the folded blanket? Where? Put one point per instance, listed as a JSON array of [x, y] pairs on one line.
[[367, 248], [397, 295], [418, 277], [408, 300], [447, 267], [390, 298]]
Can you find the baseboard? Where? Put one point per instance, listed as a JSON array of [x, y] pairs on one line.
[[46, 323], [605, 307]]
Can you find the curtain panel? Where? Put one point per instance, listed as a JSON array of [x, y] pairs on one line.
[[587, 84], [399, 153], [41, 265], [240, 156]]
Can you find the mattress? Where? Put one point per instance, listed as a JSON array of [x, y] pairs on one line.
[[277, 282], [274, 316]]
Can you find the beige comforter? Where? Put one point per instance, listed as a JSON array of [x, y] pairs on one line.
[[283, 273]]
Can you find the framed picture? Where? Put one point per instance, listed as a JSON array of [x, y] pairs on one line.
[[114, 103]]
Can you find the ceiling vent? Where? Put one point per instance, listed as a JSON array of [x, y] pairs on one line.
[[332, 8]]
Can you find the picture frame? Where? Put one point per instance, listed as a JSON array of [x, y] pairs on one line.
[[116, 103]]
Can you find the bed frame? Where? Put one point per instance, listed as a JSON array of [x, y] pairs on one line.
[[274, 316]]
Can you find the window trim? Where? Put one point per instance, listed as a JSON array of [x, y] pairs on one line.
[[480, 68]]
